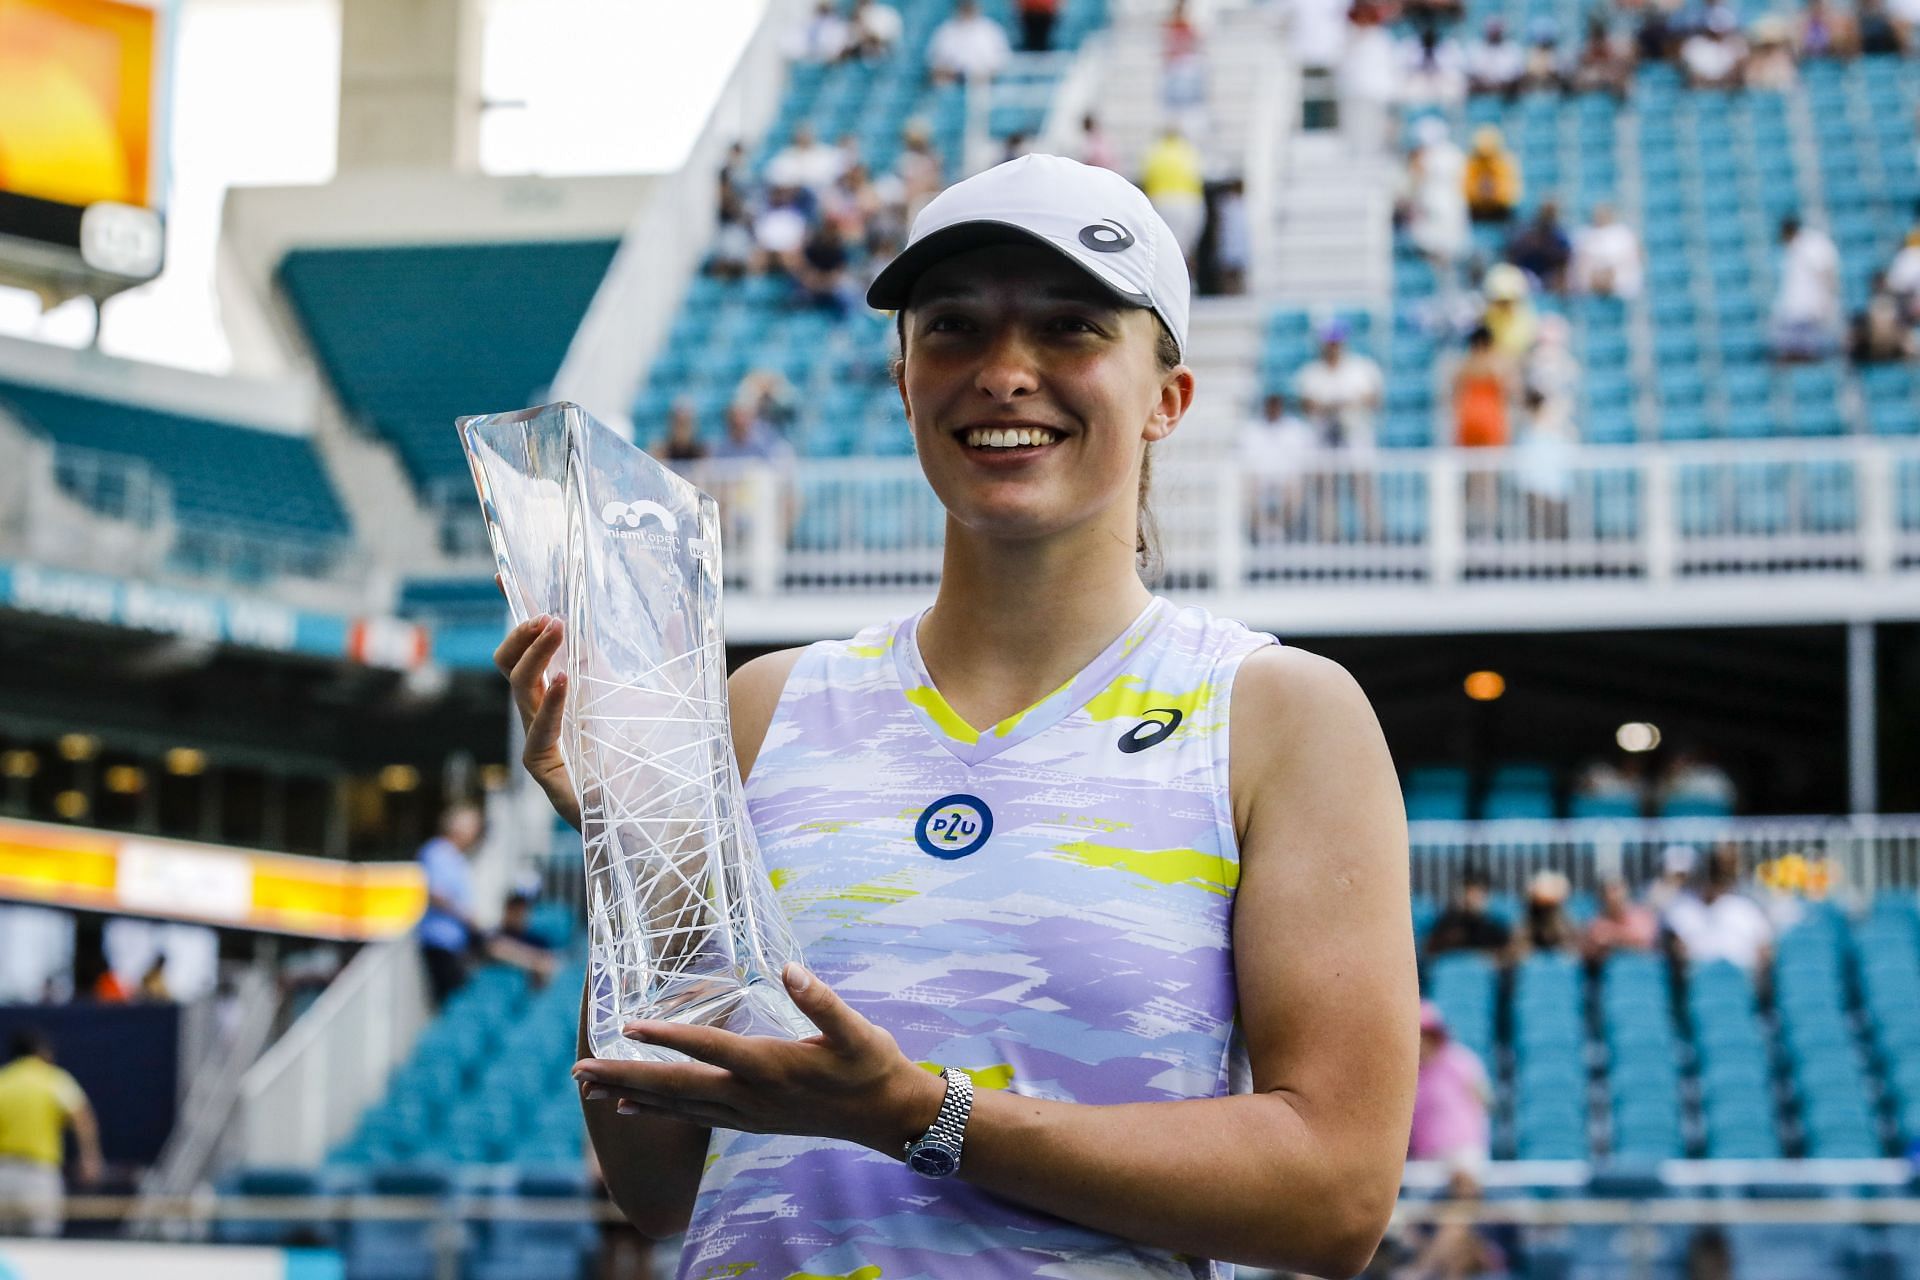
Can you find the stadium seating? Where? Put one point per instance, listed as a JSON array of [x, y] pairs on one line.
[[262, 485], [413, 337]]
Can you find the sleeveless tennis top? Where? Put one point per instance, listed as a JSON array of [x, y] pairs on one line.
[[1046, 904]]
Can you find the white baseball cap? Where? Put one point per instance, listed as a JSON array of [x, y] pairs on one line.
[[1093, 217]]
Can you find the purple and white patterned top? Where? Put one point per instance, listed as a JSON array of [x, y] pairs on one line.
[[1046, 903]]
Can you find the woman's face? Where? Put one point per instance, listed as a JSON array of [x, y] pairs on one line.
[[1015, 336]]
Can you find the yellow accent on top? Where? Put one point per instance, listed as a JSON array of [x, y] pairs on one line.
[[870, 650], [780, 876], [1127, 697], [928, 699], [868, 1272], [36, 1098], [1208, 871], [996, 1077]]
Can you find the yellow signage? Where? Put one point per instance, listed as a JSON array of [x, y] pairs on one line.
[[209, 884], [76, 100]]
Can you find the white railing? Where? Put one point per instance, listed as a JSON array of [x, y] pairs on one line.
[[1439, 517], [306, 1093]]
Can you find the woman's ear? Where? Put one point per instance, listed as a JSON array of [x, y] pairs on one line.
[[1176, 397]]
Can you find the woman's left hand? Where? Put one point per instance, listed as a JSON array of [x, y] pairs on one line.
[[850, 1082]]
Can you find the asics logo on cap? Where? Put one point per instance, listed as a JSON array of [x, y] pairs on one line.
[[1106, 236]]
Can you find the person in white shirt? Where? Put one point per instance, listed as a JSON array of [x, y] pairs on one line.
[[968, 46], [1278, 447], [823, 37], [876, 28], [778, 232], [1806, 310], [1719, 923], [1713, 58], [1494, 63], [1436, 200], [806, 163], [1607, 257], [1432, 72], [1319, 33], [1341, 391], [1369, 81]]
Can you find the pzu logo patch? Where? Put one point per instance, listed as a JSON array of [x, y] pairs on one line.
[[954, 826]]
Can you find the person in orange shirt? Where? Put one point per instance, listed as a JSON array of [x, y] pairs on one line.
[[1492, 178], [1482, 387]]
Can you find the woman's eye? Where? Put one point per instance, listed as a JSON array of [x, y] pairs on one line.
[[1076, 323]]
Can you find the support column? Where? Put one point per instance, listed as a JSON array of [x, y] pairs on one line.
[[1863, 760], [410, 85]]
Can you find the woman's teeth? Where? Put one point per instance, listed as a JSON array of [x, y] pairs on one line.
[[1009, 437]]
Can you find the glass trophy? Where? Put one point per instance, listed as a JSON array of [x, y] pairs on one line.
[[682, 921]]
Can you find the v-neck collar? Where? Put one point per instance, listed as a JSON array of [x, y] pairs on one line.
[[974, 746]]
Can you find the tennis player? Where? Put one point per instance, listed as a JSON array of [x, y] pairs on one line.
[[1105, 898]]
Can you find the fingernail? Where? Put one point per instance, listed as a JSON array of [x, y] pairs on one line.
[[798, 979], [596, 1092], [626, 1107], [635, 1031]]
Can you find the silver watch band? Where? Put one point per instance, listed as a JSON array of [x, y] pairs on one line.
[[949, 1129]]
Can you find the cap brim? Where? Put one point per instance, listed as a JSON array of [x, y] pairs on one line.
[[894, 285]]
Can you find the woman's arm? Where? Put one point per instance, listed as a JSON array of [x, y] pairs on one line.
[[1300, 1175]]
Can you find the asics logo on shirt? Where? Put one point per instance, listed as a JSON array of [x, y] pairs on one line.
[[1151, 732]]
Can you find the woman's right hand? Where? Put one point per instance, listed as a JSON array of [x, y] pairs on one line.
[[522, 658]]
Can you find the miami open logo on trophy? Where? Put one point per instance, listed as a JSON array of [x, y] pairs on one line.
[[681, 917]]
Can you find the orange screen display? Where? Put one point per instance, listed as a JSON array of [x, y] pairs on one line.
[[76, 100]]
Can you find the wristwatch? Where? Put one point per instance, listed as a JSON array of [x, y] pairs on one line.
[[936, 1153]]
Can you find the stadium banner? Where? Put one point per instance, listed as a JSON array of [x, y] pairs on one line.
[[103, 1260], [208, 884], [83, 131], [199, 615]]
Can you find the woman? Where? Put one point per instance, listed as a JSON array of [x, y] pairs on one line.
[[1084, 909]]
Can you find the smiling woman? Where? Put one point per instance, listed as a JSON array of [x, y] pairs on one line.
[[1107, 897]]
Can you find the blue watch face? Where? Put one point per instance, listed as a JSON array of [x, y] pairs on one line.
[[933, 1162]]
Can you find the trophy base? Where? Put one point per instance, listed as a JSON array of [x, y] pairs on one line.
[[758, 1007]]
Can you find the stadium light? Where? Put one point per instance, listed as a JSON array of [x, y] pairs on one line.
[[399, 777], [1637, 736], [186, 762], [1485, 686], [71, 804], [78, 746], [19, 764], [126, 779]]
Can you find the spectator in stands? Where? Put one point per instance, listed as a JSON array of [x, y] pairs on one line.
[[1552, 370], [1467, 924], [1541, 247], [1492, 178], [1881, 331], [1174, 180], [1437, 202], [1509, 316], [1232, 237], [770, 398], [1620, 925], [449, 933], [1433, 74], [1543, 466], [1880, 31], [1677, 863], [852, 203], [1770, 67], [1319, 35], [1451, 1099], [823, 275], [1459, 1248], [1482, 389], [749, 436], [806, 163], [1691, 775], [919, 169], [733, 249], [1903, 276], [153, 983], [1709, 1255], [1278, 447], [1608, 260], [1494, 63], [779, 232], [1546, 927], [1341, 391], [1824, 32], [823, 37], [1605, 62], [876, 29], [1369, 77], [735, 179], [1183, 71], [1094, 147], [1713, 56], [38, 1103], [1547, 68], [516, 923], [1721, 923], [1036, 24], [682, 443], [967, 46], [1615, 779], [1806, 310]]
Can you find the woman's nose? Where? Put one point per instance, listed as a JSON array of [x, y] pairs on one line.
[[1008, 368]]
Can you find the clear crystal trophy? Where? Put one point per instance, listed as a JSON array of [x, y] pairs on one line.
[[682, 922]]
